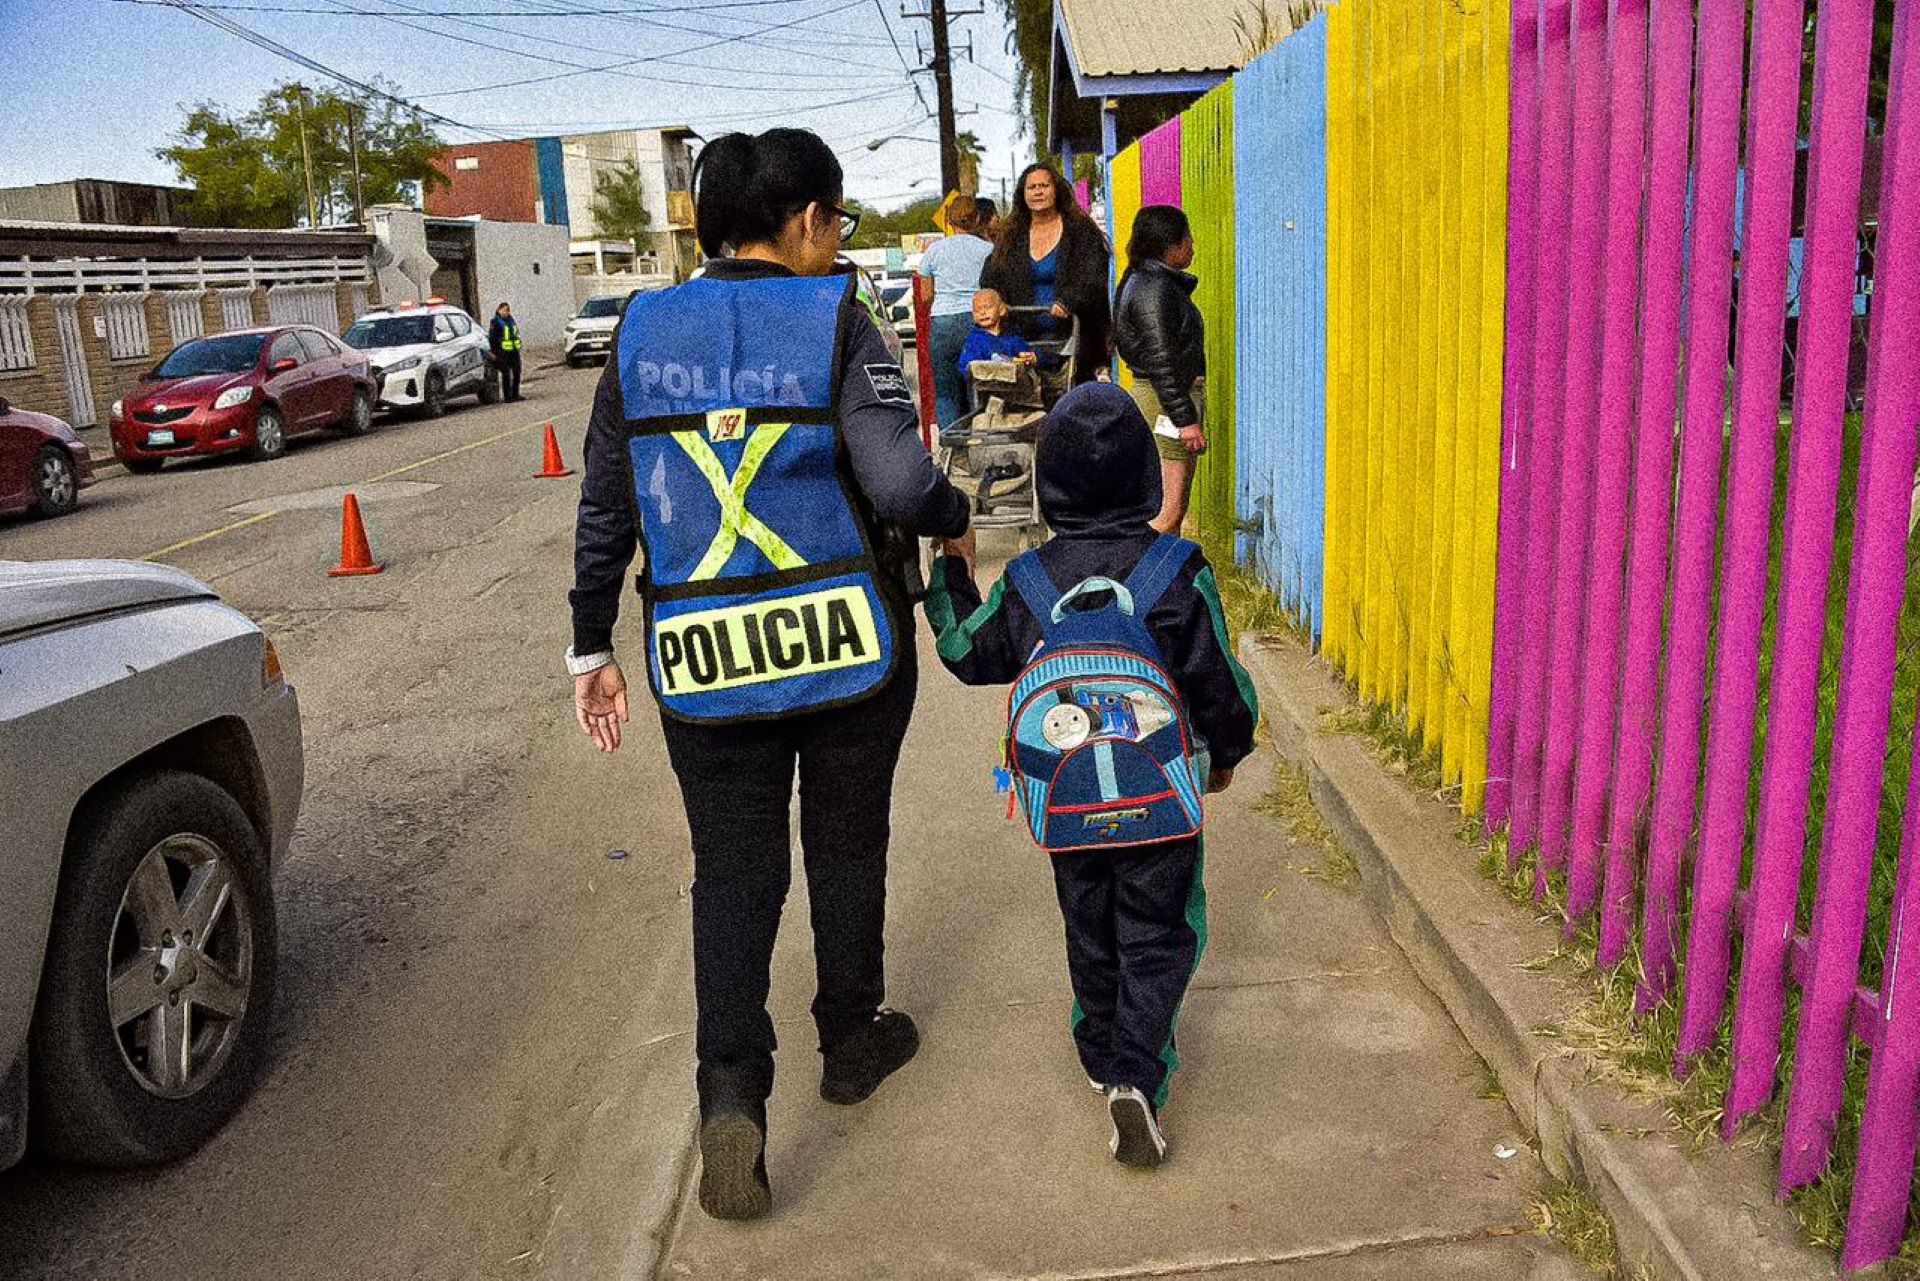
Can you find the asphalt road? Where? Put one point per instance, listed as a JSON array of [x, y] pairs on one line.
[[458, 990]]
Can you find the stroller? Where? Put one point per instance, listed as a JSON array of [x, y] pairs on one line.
[[993, 443]]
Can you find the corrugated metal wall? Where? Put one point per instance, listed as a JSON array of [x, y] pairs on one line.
[[1207, 194], [1280, 226]]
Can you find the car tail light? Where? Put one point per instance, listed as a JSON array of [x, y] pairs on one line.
[[269, 664]]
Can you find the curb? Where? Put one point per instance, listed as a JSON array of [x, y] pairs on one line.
[[1683, 1213]]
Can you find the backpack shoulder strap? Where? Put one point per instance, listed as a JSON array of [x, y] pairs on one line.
[[1156, 571], [1030, 579]]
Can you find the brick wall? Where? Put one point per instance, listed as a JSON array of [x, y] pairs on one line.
[[40, 389]]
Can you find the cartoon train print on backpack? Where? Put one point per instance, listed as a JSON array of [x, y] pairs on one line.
[[1098, 741]]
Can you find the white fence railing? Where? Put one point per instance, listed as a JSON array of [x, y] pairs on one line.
[[236, 309], [126, 325], [16, 336], [184, 320], [71, 275], [304, 305]]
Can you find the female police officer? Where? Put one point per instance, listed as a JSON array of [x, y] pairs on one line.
[[753, 432]]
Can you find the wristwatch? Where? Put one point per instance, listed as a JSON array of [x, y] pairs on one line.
[[587, 664]]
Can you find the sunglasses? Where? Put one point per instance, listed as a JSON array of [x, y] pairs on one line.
[[849, 222]]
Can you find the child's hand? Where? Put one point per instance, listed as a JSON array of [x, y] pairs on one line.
[[1026, 358], [1219, 780], [963, 549]]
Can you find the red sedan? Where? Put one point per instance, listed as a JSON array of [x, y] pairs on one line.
[[250, 389], [43, 465]]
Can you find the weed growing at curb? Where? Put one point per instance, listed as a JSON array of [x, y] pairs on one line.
[[1386, 735], [1566, 1214], [1290, 800]]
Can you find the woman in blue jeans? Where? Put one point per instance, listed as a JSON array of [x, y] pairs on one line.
[[954, 264]]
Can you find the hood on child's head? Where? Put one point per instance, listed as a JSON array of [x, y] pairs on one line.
[[1097, 468]]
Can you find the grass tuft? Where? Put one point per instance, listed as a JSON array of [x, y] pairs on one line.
[[1290, 800], [1566, 1214]]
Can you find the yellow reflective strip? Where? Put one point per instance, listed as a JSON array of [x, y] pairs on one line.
[[736, 522]]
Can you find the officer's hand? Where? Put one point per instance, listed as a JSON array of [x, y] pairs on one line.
[[1219, 780], [965, 547], [600, 704]]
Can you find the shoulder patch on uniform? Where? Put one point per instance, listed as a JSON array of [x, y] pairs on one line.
[[889, 384]]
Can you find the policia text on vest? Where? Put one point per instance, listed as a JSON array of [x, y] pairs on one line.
[[724, 648], [761, 586]]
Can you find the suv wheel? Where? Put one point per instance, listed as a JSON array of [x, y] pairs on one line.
[[56, 487], [490, 385], [433, 402], [155, 1007]]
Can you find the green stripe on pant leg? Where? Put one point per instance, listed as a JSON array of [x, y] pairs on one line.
[[1197, 922]]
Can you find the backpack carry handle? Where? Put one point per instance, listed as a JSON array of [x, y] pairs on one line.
[[1086, 587]]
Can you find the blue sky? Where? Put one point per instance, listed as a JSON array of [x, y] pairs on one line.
[[92, 87]]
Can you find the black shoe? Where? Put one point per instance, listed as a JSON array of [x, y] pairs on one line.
[[733, 1167], [865, 1057]]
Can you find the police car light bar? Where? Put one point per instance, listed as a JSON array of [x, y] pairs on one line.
[[435, 300]]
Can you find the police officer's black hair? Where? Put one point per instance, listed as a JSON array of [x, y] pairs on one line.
[[1156, 229], [746, 186]]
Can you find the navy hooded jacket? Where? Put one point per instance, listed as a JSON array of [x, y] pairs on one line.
[[1099, 478]]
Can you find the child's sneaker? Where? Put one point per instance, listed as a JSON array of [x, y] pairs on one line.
[[1136, 1131], [733, 1166], [1096, 1086], [861, 1061]]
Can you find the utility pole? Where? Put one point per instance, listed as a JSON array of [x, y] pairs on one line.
[[306, 156], [942, 67], [353, 145]]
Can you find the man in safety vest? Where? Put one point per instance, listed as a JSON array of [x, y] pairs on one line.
[[504, 337]]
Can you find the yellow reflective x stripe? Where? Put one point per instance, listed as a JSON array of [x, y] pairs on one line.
[[736, 522]]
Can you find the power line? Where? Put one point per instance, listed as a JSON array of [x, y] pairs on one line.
[[573, 12], [274, 47], [613, 69], [901, 54], [566, 75]]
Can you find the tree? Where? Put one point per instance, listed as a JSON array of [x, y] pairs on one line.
[[249, 170], [880, 228], [1030, 40], [619, 206]]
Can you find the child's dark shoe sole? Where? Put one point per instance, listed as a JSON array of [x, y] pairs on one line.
[[733, 1174], [1135, 1142]]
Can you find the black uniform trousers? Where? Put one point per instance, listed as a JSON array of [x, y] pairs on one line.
[[1136, 926], [508, 363], [737, 783]]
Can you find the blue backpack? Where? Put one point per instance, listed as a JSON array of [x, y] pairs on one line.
[[1098, 743]]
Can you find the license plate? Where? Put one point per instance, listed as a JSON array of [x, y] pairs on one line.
[[156, 439]]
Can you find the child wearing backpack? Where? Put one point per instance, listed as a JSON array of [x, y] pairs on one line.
[[1127, 703]]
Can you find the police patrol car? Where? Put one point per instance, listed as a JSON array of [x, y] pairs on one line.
[[424, 354]]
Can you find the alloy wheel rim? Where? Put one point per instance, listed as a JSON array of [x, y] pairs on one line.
[[56, 481], [269, 432], [362, 412], [179, 966]]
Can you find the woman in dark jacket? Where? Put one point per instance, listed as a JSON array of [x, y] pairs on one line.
[[1162, 337], [1051, 254]]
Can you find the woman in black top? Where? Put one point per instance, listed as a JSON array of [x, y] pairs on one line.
[[769, 207], [1162, 337], [1051, 254]]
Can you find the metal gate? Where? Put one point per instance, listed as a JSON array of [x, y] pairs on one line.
[[73, 361]]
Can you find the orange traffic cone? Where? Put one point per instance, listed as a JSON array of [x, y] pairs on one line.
[[355, 556], [552, 466]]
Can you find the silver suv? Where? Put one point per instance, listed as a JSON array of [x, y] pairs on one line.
[[150, 774]]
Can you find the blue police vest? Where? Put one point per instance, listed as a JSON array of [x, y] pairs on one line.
[[761, 587]]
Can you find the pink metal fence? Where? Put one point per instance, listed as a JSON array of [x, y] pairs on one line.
[[1635, 590], [1160, 165]]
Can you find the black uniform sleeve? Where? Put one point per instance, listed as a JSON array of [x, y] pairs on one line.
[[981, 643], [1192, 628], [604, 535], [882, 431]]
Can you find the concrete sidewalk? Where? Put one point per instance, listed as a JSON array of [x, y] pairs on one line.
[[1328, 1121]]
